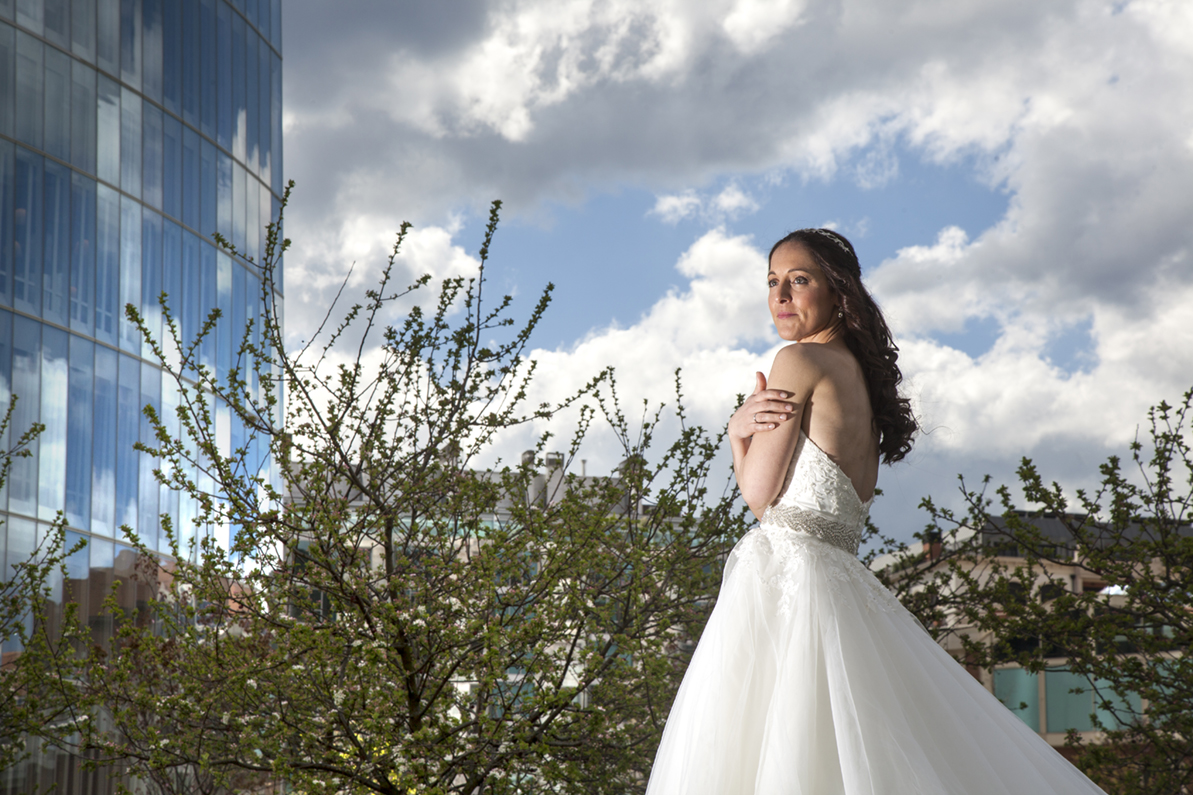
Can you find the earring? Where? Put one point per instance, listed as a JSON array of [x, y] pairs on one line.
[[840, 313]]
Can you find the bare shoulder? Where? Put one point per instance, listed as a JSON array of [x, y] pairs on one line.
[[799, 367], [807, 357]]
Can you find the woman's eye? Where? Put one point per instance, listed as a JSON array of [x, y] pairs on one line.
[[800, 280], [772, 282]]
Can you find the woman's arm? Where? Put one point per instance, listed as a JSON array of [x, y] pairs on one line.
[[760, 462]]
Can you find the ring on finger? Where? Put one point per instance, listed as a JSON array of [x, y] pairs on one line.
[[755, 418]]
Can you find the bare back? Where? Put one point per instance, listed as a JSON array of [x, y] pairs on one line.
[[837, 417]]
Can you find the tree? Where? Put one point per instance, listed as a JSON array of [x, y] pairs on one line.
[[387, 618], [38, 701], [995, 579]]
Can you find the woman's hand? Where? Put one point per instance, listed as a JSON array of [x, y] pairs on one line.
[[763, 410]]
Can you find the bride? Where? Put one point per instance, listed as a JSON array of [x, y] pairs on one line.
[[810, 677]]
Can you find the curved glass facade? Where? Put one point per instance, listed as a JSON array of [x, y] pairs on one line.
[[130, 131]]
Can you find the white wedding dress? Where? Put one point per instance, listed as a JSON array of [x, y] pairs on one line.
[[811, 678]]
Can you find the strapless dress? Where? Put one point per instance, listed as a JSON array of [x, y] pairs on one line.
[[812, 679]]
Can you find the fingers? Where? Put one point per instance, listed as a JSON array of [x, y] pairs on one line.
[[772, 400], [759, 383], [770, 419]]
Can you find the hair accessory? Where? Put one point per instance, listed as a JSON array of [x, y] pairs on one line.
[[833, 236]]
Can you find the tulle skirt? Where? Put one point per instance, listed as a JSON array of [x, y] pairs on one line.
[[811, 679]]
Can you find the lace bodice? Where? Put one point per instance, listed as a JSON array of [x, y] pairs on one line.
[[819, 499]]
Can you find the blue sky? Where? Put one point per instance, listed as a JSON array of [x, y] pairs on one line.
[[612, 254], [1015, 175]]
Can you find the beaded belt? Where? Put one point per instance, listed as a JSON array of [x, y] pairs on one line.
[[800, 520]]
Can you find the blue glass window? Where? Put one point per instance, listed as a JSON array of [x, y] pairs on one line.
[[209, 281], [192, 180], [275, 20], [253, 288], [8, 76], [1019, 691], [54, 389], [224, 193], [6, 12], [275, 113], [57, 103], [263, 219], [172, 166], [7, 214], [107, 263], [169, 499], [100, 580], [151, 147], [252, 226], [130, 272], [5, 398], [191, 63], [82, 116], [172, 285], [223, 17], [130, 142], [190, 298], [128, 427], [238, 5], [107, 133], [209, 211], [1067, 709], [26, 277], [239, 205], [130, 42], [22, 540], [238, 318], [239, 99], [252, 83], [225, 328], [82, 254], [263, 129], [107, 36], [78, 574], [30, 74], [103, 461], [57, 20], [263, 24], [172, 56], [55, 302], [31, 15], [82, 29], [279, 272], [151, 279], [26, 387], [151, 49], [151, 395], [78, 434], [209, 80]]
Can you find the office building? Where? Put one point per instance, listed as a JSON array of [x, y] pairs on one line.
[[130, 131]]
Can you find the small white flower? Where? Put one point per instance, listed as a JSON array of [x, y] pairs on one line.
[[252, 683]]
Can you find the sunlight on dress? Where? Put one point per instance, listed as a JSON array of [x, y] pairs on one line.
[[812, 679]]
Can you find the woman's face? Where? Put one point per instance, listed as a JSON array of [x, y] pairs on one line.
[[802, 304]]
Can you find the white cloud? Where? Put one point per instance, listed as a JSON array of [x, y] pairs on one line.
[[752, 24], [674, 208], [732, 202], [1080, 111]]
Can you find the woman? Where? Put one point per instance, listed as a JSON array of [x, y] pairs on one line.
[[811, 678]]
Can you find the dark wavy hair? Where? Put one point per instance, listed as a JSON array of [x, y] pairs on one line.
[[867, 335]]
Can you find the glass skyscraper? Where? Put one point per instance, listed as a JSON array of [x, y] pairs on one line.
[[130, 131]]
